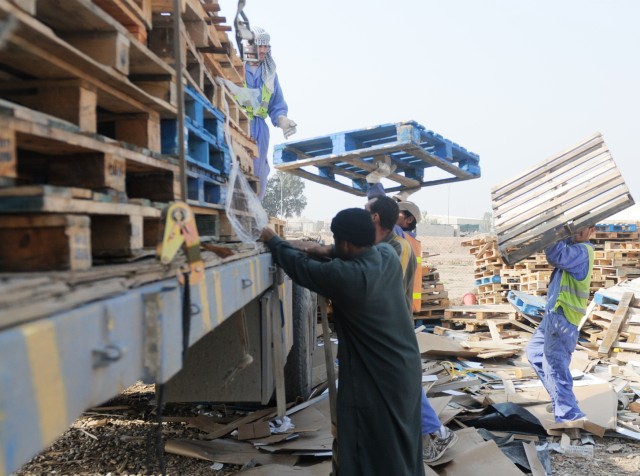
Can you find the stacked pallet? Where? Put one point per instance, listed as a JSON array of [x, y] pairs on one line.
[[617, 258], [617, 255], [613, 325], [494, 279], [434, 297], [88, 126]]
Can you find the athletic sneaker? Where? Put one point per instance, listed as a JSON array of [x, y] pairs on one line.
[[434, 445]]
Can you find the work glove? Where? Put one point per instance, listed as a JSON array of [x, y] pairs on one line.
[[404, 195], [287, 125], [384, 168]]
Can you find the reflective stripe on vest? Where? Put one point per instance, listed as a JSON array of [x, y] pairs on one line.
[[263, 109], [574, 294], [417, 280]]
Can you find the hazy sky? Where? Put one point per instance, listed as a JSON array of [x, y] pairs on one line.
[[514, 81]]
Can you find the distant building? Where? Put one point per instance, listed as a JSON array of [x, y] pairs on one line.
[[443, 225], [301, 226]]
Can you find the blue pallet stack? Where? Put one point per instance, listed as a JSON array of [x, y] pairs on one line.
[[208, 155]]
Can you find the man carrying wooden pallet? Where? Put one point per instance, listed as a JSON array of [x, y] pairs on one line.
[[260, 74], [549, 350]]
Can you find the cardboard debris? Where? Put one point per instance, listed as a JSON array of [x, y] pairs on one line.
[[226, 451], [483, 458], [320, 469]]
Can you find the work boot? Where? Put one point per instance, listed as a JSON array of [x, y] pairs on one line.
[[434, 445]]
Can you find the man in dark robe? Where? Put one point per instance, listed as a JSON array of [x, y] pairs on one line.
[[378, 404]]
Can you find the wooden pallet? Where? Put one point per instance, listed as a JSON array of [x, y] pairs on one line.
[[72, 224], [579, 186], [351, 156], [135, 16], [481, 312], [88, 57], [38, 148]]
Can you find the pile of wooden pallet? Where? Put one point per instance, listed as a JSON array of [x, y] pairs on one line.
[[612, 326], [434, 297], [617, 257], [494, 279], [88, 126]]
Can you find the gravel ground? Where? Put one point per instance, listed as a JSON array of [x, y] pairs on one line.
[[120, 439]]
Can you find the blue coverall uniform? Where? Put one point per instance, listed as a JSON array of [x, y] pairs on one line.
[[549, 350], [259, 129]]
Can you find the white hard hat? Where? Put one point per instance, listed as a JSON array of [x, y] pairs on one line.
[[411, 208]]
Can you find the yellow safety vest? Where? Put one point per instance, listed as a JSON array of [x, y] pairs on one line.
[[417, 281], [574, 294], [263, 109]]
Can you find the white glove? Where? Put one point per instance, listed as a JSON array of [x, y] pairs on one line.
[[384, 169], [287, 125], [404, 195]]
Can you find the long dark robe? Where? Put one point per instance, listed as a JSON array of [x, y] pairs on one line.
[[378, 405]]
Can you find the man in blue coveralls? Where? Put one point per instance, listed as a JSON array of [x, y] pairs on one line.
[[260, 74], [549, 350]]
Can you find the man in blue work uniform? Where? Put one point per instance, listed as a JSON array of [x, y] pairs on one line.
[[549, 350], [260, 74]]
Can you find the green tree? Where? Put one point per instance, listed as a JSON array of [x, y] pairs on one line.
[[284, 195]]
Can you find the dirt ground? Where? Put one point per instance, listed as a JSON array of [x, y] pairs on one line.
[[122, 436], [453, 263]]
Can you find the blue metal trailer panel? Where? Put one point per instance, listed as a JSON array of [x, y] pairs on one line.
[[52, 369]]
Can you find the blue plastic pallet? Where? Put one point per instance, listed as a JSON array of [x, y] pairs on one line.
[[351, 155], [203, 186], [616, 227], [205, 142], [527, 304], [487, 280]]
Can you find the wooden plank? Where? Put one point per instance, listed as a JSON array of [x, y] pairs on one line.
[[8, 153], [41, 139], [35, 50], [43, 242], [541, 169], [568, 171], [95, 171], [618, 320], [109, 48], [46, 198]]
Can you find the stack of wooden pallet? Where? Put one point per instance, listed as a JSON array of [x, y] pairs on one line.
[[88, 126], [613, 323], [434, 297], [494, 279], [617, 258]]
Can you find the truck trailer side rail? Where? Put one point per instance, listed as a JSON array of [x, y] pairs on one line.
[[55, 367]]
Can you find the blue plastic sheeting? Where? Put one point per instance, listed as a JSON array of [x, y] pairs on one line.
[[351, 155]]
